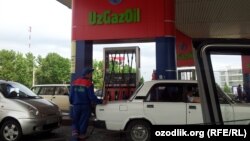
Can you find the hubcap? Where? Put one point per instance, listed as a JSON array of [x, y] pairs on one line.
[[10, 132], [139, 132]]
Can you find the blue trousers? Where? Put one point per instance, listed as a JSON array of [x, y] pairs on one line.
[[80, 118]]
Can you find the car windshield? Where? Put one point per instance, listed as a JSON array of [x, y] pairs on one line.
[[134, 94], [17, 90], [224, 95]]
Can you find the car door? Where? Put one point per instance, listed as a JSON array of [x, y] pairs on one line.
[[216, 60], [47, 92], [164, 104], [61, 98], [226, 106], [194, 111]]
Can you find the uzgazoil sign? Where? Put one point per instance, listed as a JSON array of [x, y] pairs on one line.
[[108, 17]]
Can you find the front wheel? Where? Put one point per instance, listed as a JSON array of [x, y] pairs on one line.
[[10, 131], [138, 130]]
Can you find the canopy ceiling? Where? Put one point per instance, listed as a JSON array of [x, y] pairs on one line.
[[210, 18]]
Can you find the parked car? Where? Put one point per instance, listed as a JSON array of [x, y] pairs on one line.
[[164, 102], [23, 112], [57, 93]]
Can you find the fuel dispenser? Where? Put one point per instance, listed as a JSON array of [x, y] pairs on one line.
[[121, 72]]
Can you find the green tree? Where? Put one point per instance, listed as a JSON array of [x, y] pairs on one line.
[[53, 69], [226, 88], [7, 65], [23, 70], [141, 81], [98, 74], [16, 67]]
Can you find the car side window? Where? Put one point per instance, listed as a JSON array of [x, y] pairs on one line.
[[221, 96], [47, 91], [3, 89], [191, 93], [165, 93], [224, 73], [61, 91], [35, 89]]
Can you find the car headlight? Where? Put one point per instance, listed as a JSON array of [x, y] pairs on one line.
[[33, 111]]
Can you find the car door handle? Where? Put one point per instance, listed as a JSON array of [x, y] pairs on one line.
[[150, 106], [192, 107]]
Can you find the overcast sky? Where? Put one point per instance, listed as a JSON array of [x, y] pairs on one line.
[[50, 23]]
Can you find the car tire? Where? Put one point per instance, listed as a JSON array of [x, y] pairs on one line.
[[10, 130], [138, 130]]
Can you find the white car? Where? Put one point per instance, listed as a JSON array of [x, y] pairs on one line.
[[163, 102], [57, 93]]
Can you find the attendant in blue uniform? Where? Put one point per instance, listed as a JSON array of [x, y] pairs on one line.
[[81, 97]]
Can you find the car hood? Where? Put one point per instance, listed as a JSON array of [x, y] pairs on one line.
[[36, 102], [42, 105]]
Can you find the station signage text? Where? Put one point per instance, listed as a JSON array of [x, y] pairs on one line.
[[108, 17]]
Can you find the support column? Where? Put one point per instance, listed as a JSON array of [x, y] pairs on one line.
[[165, 58], [81, 56], [165, 46]]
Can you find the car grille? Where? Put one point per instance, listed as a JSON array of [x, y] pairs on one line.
[[50, 112], [51, 126]]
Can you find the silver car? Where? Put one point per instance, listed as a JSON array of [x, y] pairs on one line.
[[22, 112]]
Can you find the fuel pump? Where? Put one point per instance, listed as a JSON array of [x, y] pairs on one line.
[[121, 72]]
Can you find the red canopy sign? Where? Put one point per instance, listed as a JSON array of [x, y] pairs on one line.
[[128, 19]]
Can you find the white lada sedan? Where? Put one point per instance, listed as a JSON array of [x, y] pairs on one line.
[[22, 112], [164, 102]]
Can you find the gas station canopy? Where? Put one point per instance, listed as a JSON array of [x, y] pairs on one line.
[[210, 18]]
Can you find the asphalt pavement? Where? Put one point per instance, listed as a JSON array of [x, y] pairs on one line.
[[64, 134]]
